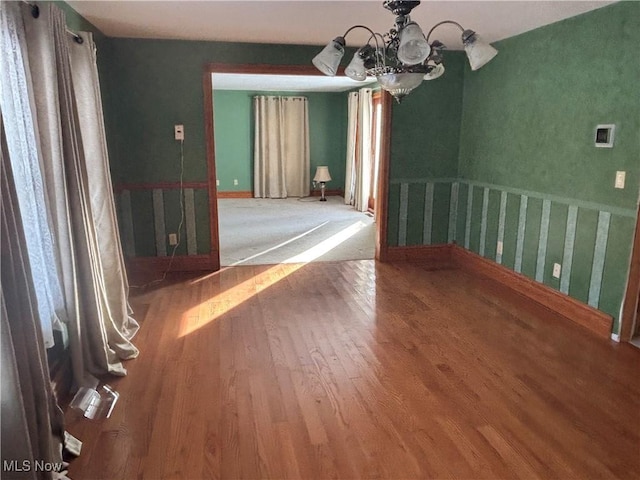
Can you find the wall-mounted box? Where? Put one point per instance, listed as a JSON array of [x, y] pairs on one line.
[[604, 136]]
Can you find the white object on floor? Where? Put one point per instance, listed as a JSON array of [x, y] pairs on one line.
[[94, 404], [72, 444]]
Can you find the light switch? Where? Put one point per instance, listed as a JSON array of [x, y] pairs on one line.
[[620, 178]]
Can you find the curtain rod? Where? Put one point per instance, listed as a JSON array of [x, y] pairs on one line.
[[35, 13]]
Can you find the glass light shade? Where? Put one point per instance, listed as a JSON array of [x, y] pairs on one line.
[[400, 84], [413, 47], [328, 60], [356, 69], [322, 174], [437, 72], [478, 52]]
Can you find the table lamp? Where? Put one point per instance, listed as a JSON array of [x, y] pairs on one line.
[[322, 176]]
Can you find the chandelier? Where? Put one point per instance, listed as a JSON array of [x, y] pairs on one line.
[[403, 57]]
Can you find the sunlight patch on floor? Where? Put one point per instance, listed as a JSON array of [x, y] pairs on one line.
[[239, 262], [210, 310], [327, 245]]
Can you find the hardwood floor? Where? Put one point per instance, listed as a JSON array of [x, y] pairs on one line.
[[363, 370]]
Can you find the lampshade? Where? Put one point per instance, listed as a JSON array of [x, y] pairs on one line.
[[356, 69], [413, 47], [328, 60], [322, 174], [478, 52]]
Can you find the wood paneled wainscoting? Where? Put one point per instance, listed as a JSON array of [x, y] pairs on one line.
[[149, 212], [531, 233], [363, 370]]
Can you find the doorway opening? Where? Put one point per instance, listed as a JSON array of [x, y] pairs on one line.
[[228, 207]]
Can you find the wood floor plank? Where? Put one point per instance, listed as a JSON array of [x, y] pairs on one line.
[[362, 370]]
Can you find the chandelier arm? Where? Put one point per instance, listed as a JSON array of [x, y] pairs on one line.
[[374, 35], [442, 23], [375, 39], [358, 26], [384, 47]]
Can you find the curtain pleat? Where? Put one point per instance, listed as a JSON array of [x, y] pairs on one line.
[[281, 147], [268, 166], [104, 237], [296, 154]]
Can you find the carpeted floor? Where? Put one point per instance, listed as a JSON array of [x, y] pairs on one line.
[[255, 231]]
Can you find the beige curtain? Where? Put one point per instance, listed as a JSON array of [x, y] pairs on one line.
[[69, 135], [281, 147], [108, 265], [359, 149], [364, 155], [32, 423], [352, 131]]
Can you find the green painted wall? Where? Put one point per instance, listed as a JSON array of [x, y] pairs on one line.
[[530, 115], [234, 126], [328, 134], [159, 84], [425, 139], [425, 132], [528, 123], [527, 127], [234, 139]]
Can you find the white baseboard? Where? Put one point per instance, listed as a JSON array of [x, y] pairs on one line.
[[615, 337]]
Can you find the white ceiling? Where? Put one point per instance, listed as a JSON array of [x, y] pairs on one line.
[[307, 22], [285, 83]]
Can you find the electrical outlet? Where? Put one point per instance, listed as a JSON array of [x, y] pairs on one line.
[[235, 181], [620, 178], [179, 131], [499, 248], [173, 239], [556, 270]]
